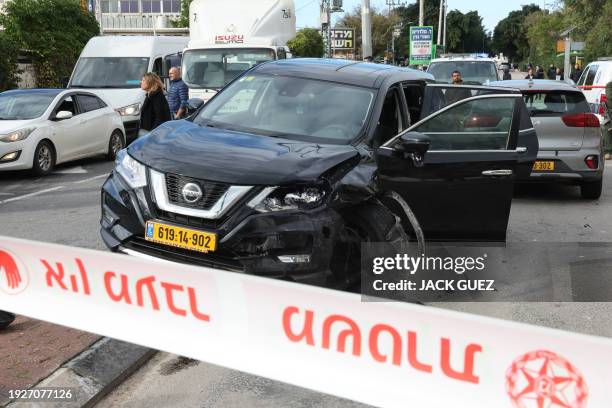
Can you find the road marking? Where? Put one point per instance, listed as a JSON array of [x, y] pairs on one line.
[[90, 179], [48, 190], [73, 170]]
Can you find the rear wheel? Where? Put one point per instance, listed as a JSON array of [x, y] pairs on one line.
[[115, 143], [44, 158], [6, 318], [591, 190], [369, 223]]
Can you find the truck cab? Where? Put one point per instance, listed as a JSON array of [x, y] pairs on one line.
[[223, 45]]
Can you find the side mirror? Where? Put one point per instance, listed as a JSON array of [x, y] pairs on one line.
[[414, 142], [193, 105], [63, 115]]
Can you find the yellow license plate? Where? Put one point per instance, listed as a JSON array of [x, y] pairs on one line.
[[181, 237], [544, 166]]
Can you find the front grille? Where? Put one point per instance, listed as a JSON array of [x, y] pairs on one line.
[[211, 191], [217, 259], [186, 220]]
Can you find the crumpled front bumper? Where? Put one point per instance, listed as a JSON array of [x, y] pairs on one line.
[[274, 244]]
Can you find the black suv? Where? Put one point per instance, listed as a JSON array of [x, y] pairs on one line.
[[294, 164]]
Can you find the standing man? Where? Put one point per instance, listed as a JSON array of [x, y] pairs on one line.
[[576, 74], [455, 95], [530, 74], [177, 94]]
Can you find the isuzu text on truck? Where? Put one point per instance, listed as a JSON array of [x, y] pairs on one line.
[[225, 43]]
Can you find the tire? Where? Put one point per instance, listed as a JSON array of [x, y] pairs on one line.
[[368, 223], [6, 318], [591, 190], [116, 142], [44, 158]]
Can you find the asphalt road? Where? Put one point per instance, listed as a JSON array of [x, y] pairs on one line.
[[64, 208]]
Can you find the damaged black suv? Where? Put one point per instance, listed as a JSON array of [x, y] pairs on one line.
[[295, 163]]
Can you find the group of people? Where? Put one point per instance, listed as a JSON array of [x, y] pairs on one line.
[[157, 108], [553, 73]]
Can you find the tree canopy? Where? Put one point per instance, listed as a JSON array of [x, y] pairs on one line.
[[510, 34], [52, 32], [308, 42]]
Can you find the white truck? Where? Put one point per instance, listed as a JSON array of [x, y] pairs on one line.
[[227, 37], [112, 66]]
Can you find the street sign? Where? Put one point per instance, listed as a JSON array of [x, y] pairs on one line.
[[421, 45], [343, 38]]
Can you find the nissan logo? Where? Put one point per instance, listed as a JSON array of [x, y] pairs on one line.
[[191, 192]]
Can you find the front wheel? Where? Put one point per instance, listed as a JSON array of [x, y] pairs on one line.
[[369, 223], [115, 143], [591, 190], [44, 158]]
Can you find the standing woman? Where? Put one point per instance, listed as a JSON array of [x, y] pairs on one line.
[[155, 110]]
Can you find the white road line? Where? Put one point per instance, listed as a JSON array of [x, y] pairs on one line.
[[48, 190], [89, 179]]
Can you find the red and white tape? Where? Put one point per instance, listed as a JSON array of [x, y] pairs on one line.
[[379, 353]]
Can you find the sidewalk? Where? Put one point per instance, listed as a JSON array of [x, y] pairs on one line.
[[30, 350]]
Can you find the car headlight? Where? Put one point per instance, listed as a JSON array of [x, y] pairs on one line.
[[133, 109], [16, 135], [279, 199], [133, 172]]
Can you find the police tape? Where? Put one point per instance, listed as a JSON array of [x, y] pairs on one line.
[[379, 353]]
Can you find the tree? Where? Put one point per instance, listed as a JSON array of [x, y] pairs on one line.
[[543, 30], [510, 34], [53, 32], [381, 30], [465, 33], [409, 16], [308, 42], [8, 62], [183, 20]]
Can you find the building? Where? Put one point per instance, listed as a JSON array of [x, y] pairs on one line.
[[137, 16]]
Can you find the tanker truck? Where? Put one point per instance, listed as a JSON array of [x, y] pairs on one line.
[[227, 37]]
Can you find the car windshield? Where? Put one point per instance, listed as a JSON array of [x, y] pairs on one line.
[[217, 67], [109, 72], [23, 106], [555, 103], [289, 107], [471, 71]]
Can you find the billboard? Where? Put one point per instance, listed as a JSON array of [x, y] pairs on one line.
[[343, 38], [421, 45]]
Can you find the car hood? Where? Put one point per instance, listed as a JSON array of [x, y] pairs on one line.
[[7, 126], [182, 147], [117, 98]]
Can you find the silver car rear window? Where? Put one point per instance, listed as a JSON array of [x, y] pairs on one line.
[[555, 103]]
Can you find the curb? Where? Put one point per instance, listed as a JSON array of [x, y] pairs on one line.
[[93, 373]]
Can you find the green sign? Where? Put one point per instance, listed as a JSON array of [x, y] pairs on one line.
[[421, 45]]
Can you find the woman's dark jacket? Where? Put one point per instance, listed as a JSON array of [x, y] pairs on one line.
[[155, 111]]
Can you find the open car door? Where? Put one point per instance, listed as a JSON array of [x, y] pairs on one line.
[[456, 167]]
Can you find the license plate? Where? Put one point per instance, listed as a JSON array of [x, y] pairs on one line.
[[181, 237], [544, 166]]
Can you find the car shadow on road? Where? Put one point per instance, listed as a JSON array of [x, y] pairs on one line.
[[547, 192], [13, 175]]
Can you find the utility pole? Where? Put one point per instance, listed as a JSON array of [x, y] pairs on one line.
[[439, 42], [444, 30], [421, 12], [366, 29]]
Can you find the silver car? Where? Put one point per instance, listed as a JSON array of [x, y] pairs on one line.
[[569, 135]]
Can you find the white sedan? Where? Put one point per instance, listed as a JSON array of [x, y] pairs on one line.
[[40, 128]]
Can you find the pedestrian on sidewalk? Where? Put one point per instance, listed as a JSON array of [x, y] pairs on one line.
[[608, 125], [551, 72], [576, 74], [539, 72], [155, 109], [507, 76], [559, 74], [530, 74], [178, 94]]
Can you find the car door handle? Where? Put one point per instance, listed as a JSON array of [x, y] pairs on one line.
[[497, 173], [521, 150]]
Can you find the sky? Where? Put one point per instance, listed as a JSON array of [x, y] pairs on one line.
[[307, 11]]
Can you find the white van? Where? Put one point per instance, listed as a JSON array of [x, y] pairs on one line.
[[593, 83], [112, 66]]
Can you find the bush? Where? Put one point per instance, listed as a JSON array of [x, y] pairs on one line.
[[8, 62], [53, 32]]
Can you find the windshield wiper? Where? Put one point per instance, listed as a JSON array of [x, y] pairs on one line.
[[535, 112], [9, 118]]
